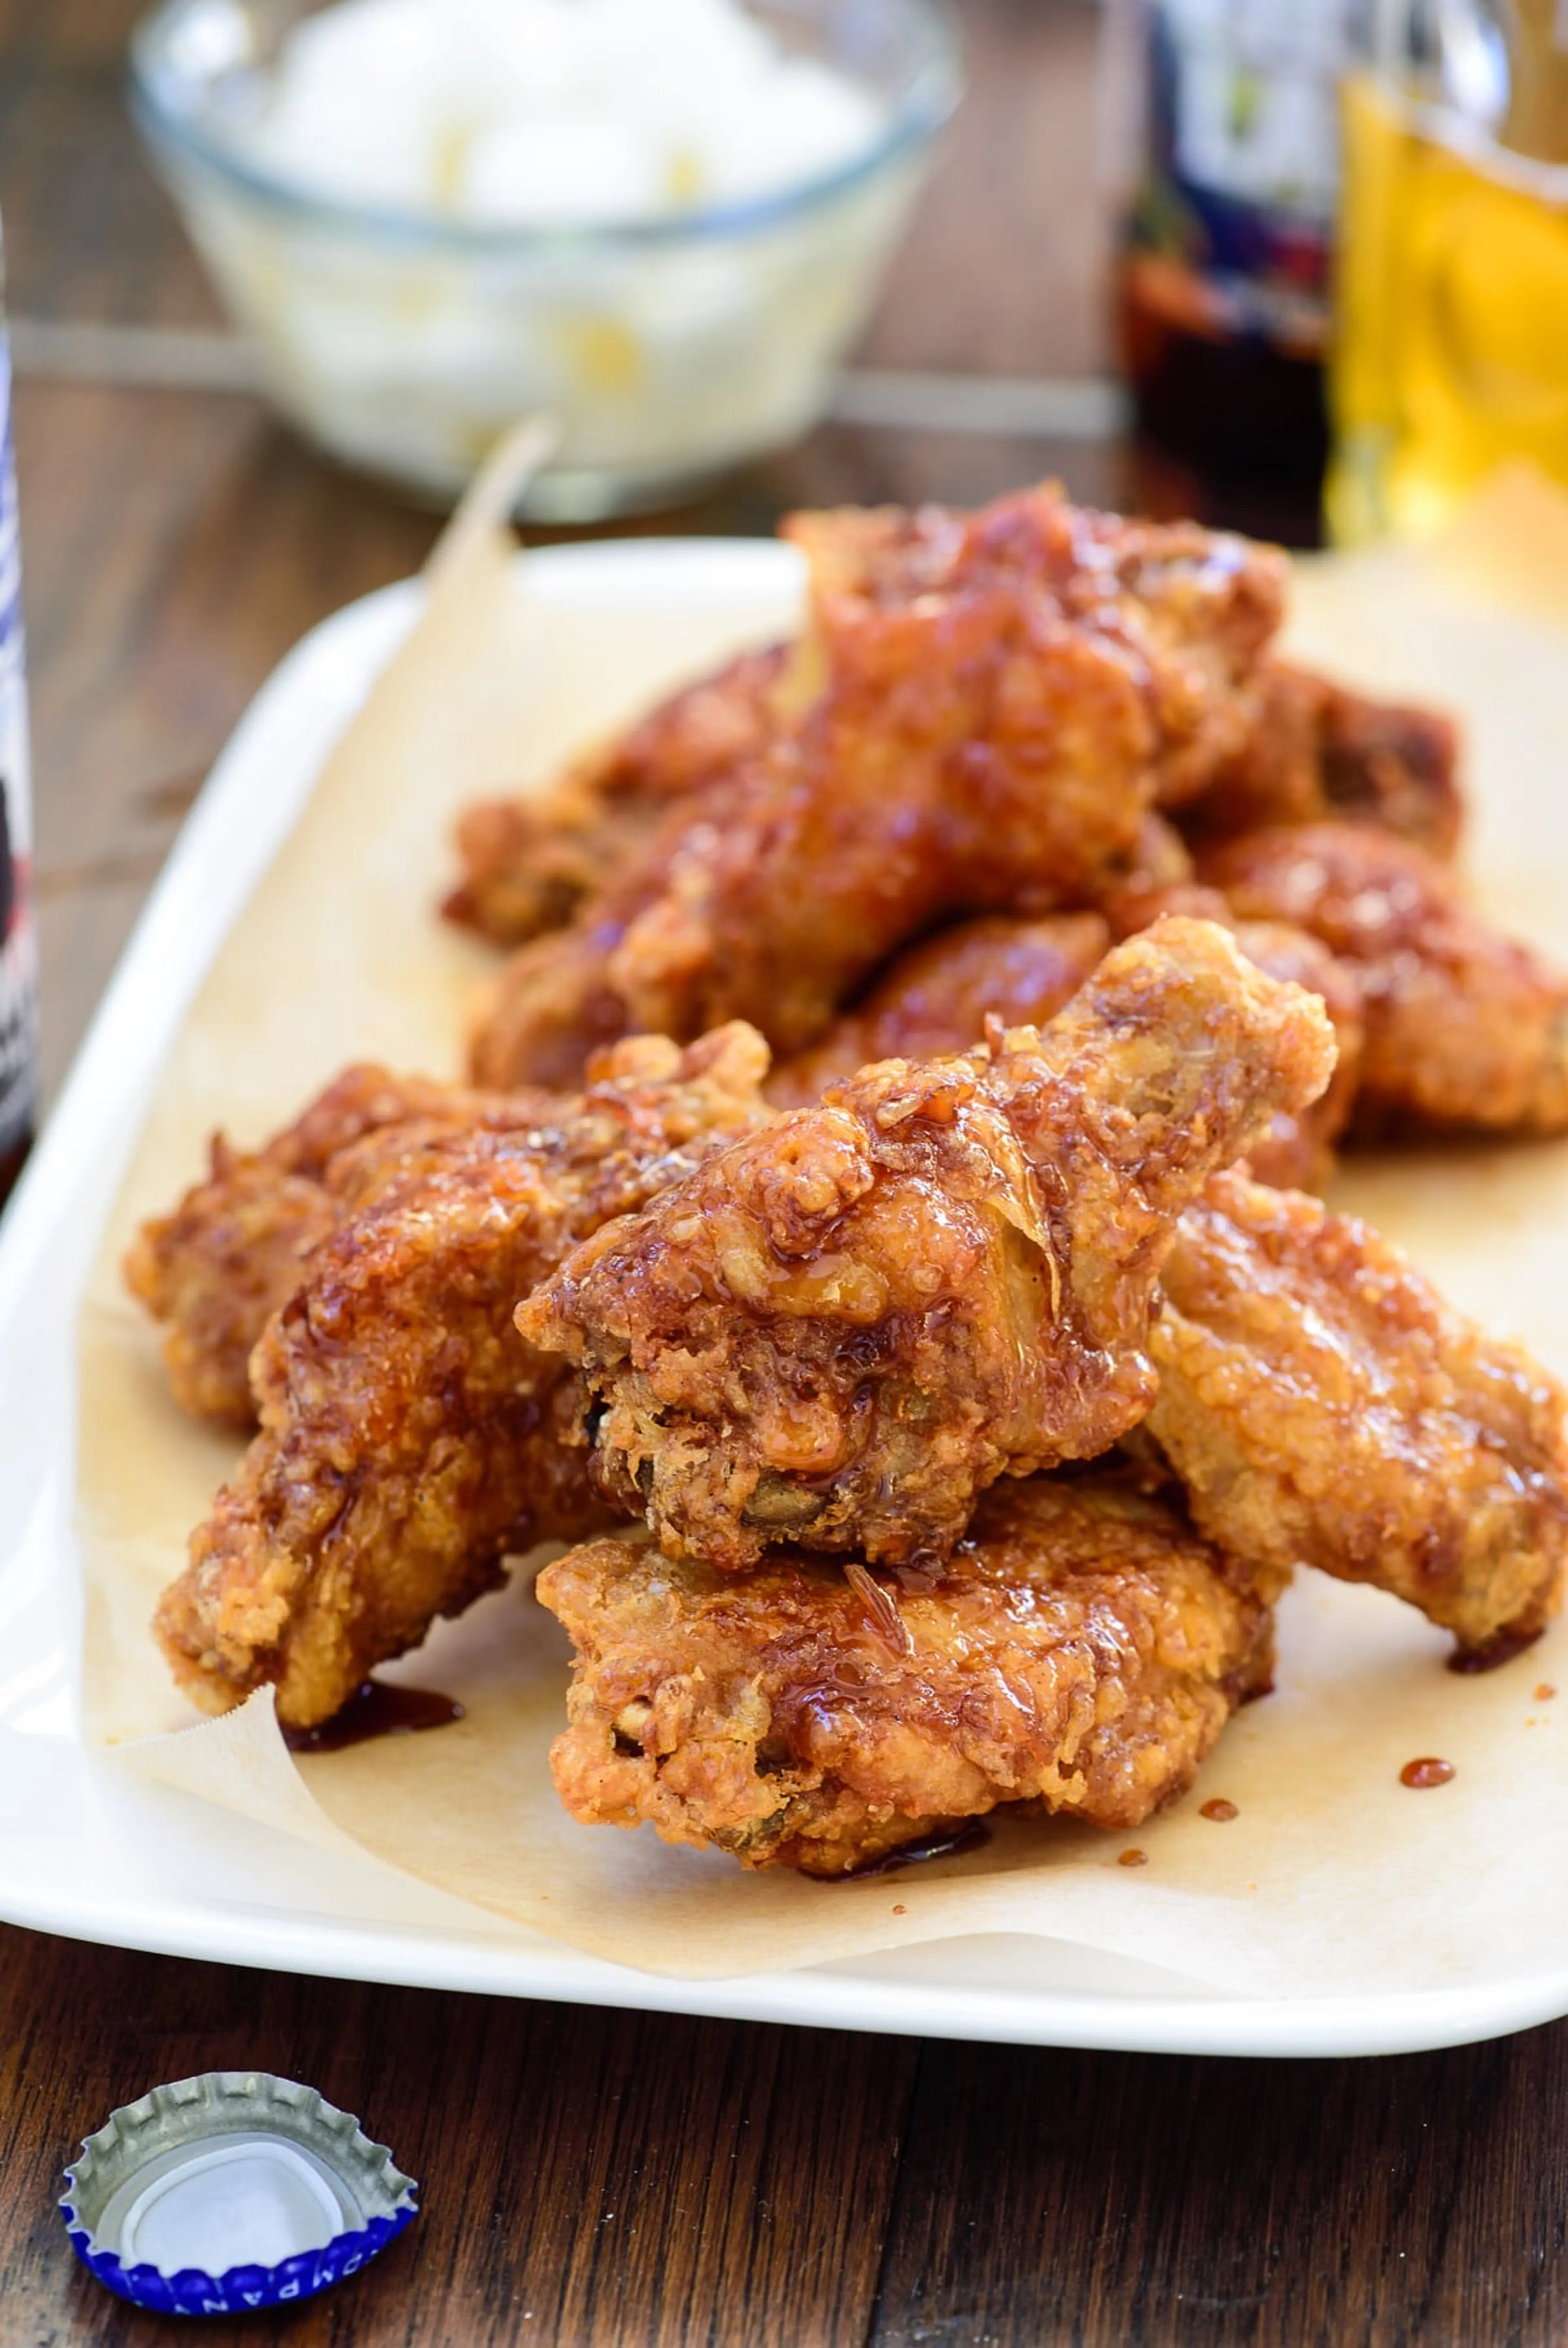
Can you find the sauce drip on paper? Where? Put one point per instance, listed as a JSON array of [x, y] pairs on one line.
[[946, 1843], [376, 1709]]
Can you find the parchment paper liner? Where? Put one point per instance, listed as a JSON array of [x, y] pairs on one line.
[[1334, 1877]]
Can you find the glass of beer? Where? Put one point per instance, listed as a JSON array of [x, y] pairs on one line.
[[1450, 350]]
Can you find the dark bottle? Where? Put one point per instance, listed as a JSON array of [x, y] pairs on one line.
[[18, 960], [1223, 288]]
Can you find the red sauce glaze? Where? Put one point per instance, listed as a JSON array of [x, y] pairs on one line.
[[1545, 1691], [1427, 1772], [376, 1709], [1219, 1808], [1133, 1858]]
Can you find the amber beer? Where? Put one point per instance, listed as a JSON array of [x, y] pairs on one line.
[[1452, 353], [18, 965]]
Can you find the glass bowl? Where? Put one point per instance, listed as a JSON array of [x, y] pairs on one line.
[[667, 350]]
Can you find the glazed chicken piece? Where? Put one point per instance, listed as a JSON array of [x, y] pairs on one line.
[[1463, 1027], [1003, 699], [938, 997], [1316, 750], [409, 1439], [1297, 1151], [529, 861], [1323, 1405], [842, 1328], [234, 1249], [1196, 608], [1080, 1650]]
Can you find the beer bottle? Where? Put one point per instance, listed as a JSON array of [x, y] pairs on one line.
[[1224, 280], [18, 960]]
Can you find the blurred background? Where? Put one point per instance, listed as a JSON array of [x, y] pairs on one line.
[[1220, 257]]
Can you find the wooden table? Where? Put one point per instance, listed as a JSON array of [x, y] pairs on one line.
[[594, 2177]]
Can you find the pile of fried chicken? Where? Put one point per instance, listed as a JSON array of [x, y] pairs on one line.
[[888, 1174]]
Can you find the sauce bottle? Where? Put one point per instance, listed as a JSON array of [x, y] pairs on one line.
[[18, 960], [1222, 287]]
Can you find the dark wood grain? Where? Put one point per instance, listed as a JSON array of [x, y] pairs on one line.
[[1153, 2203], [1005, 269], [585, 2177]]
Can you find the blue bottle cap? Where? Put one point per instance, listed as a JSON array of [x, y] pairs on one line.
[[230, 2191]]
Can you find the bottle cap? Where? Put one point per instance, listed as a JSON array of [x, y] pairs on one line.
[[230, 2191]]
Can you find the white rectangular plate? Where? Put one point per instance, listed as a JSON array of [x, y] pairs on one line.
[[88, 1850]]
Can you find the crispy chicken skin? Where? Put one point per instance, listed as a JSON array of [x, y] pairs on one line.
[[1297, 1151], [939, 995], [1315, 750], [1003, 699], [1463, 1027], [409, 1439], [528, 862], [1195, 608], [842, 1328], [1323, 1405], [1081, 1649], [234, 1249]]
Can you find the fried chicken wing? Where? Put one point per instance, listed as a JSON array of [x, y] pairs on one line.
[[842, 1328], [409, 1439], [1297, 1152], [1080, 1650], [528, 862], [1323, 1405], [1315, 750], [1463, 1027], [233, 1249], [938, 996], [1003, 699]]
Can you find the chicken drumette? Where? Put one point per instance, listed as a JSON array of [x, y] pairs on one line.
[[1313, 750], [235, 1249], [1463, 1027], [1324, 1406], [939, 996], [1003, 700], [1297, 1152], [841, 1329], [410, 1437], [1080, 1650]]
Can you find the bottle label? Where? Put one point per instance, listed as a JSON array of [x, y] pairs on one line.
[[1232, 233], [18, 960]]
